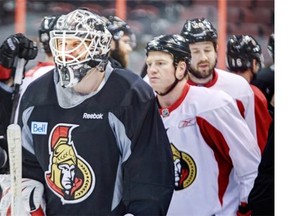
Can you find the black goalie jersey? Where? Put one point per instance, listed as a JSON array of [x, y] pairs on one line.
[[107, 154]]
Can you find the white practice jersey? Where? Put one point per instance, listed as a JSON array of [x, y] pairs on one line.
[[215, 155], [239, 89], [40, 69]]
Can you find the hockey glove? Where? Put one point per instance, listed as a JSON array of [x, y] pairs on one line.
[[27, 48], [16, 45], [8, 51], [32, 197]]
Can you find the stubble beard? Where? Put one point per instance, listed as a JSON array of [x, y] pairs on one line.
[[120, 56], [202, 74]]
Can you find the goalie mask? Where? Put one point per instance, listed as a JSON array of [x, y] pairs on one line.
[[79, 42]]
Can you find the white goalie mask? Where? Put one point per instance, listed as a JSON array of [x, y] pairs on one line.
[[79, 42]]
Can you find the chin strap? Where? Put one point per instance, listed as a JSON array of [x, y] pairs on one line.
[[170, 89]]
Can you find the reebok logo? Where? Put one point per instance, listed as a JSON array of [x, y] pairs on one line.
[[187, 122], [92, 116]]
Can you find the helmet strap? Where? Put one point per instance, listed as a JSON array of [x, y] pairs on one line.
[[172, 86]]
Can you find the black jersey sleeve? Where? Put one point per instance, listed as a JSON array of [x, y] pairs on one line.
[[264, 80], [148, 173]]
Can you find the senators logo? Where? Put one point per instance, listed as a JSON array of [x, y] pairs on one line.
[[185, 169], [69, 176]]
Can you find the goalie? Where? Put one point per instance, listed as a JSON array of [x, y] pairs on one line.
[[91, 134]]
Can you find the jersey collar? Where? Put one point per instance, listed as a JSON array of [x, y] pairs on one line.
[[30, 72], [208, 84], [164, 112]]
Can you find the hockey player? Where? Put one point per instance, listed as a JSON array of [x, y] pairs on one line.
[[261, 198], [93, 136], [14, 47], [244, 57], [42, 67], [123, 41], [265, 77], [202, 37], [215, 155]]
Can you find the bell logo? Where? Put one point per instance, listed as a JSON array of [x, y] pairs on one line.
[[92, 116], [39, 128]]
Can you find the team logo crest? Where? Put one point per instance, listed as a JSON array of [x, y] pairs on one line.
[[185, 169], [69, 176]]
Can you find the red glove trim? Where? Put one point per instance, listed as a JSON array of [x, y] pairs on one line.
[[5, 73]]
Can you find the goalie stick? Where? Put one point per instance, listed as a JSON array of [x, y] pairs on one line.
[[15, 145]]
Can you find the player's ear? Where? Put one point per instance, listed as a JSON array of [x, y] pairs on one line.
[[113, 45], [180, 70]]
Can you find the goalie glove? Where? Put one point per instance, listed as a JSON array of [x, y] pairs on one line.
[[33, 203]]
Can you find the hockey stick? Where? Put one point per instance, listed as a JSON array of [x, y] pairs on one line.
[[15, 160], [15, 145]]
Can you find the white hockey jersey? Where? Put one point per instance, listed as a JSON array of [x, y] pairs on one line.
[[40, 69], [239, 89], [215, 155]]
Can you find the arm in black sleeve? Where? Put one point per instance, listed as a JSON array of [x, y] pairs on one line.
[[149, 172]]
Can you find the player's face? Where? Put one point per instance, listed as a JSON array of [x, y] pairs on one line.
[[68, 175], [160, 70], [121, 49], [203, 59], [73, 48], [125, 44]]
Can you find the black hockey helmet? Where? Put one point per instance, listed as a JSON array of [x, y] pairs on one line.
[[47, 25], [118, 28], [177, 46], [270, 46], [198, 30], [174, 44], [241, 50]]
